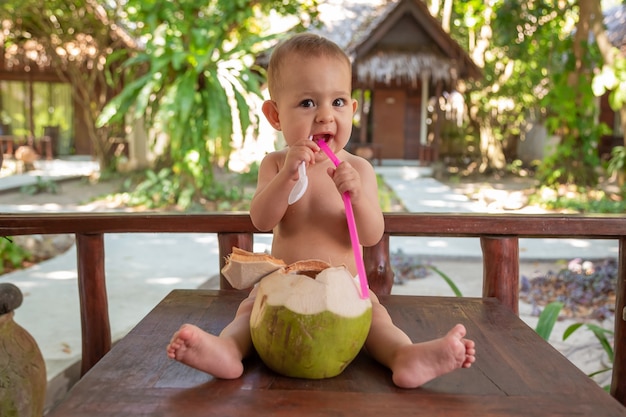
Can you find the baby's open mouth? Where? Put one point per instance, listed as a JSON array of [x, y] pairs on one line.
[[323, 137]]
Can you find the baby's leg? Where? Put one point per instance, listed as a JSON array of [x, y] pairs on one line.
[[220, 356], [412, 364]]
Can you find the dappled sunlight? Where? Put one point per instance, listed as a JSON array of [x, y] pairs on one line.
[[103, 206], [568, 248], [438, 244], [164, 281], [26, 285], [439, 204], [577, 243], [205, 239], [409, 173], [58, 275], [34, 208], [438, 189], [69, 208]]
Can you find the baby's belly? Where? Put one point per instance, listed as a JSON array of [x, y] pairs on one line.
[[314, 247]]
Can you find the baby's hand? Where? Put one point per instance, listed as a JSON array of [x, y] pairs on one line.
[[347, 179], [303, 150]]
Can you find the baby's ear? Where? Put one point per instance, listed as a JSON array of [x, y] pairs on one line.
[[270, 110]]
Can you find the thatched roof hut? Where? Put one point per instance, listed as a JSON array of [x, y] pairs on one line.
[[402, 55]]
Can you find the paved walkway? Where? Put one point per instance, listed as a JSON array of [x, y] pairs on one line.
[[55, 170], [143, 268]]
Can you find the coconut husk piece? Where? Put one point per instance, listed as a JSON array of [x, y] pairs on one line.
[[309, 267], [243, 269]]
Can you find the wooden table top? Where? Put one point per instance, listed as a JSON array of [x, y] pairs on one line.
[[516, 373]]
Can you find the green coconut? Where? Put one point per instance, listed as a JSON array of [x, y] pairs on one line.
[[309, 328]]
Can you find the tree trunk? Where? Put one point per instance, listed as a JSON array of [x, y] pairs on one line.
[[492, 155]]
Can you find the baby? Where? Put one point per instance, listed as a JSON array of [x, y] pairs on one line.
[[310, 86]]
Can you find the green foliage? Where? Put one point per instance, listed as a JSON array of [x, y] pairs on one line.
[[518, 58], [600, 334], [386, 195], [11, 255], [549, 317], [157, 190], [195, 80], [162, 190], [612, 78], [457, 292], [249, 177], [595, 201], [617, 163], [40, 186], [573, 118], [533, 73]]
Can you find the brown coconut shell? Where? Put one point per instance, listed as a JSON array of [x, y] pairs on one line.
[[243, 269], [309, 267]]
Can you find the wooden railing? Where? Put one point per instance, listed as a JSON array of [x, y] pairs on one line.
[[499, 237]]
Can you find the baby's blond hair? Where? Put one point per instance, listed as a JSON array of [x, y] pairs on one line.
[[306, 44]]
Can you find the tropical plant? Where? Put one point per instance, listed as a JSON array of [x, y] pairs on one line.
[[617, 163], [549, 317], [538, 67], [584, 290], [11, 255], [195, 79], [40, 186], [602, 336], [573, 118]]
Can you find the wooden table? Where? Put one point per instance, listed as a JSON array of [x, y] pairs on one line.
[[516, 373]]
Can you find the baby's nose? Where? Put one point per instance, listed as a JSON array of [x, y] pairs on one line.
[[324, 114]]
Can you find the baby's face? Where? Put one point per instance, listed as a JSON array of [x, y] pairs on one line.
[[315, 99]]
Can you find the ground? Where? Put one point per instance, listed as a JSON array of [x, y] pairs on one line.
[[71, 193]]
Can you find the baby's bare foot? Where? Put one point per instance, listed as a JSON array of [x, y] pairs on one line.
[[419, 363], [206, 352]]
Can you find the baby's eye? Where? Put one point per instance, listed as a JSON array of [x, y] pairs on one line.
[[339, 102], [307, 103]]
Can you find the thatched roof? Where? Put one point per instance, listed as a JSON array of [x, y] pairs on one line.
[[344, 21], [402, 68], [395, 42]]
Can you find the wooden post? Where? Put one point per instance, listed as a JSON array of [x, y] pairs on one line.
[[226, 242], [501, 269], [618, 382], [94, 309], [378, 267], [438, 116], [363, 118]]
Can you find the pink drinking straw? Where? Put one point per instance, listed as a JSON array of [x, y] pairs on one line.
[[354, 236]]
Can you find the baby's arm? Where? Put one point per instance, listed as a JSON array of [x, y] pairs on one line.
[[357, 177], [278, 174]]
